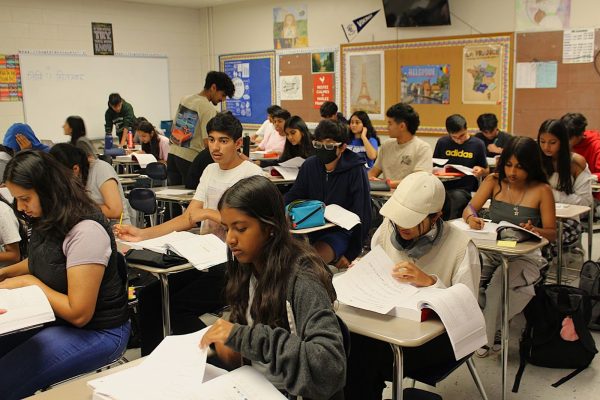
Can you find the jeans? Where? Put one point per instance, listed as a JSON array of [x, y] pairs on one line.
[[34, 359]]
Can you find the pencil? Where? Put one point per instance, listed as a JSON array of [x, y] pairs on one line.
[[121, 219]]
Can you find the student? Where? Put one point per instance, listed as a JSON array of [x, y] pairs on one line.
[[75, 127], [585, 142], [329, 110], [73, 259], [11, 233], [195, 292], [99, 178], [461, 149], [6, 154], [152, 142], [21, 137], [267, 127], [298, 142], [519, 194], [405, 155], [493, 138], [364, 140], [427, 252], [274, 141], [281, 296], [120, 114], [189, 135], [335, 175]]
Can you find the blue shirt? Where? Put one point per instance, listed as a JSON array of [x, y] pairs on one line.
[[357, 146]]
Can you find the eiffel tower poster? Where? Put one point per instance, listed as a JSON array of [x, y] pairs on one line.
[[366, 89]]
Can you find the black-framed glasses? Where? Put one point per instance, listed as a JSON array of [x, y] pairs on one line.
[[328, 146]]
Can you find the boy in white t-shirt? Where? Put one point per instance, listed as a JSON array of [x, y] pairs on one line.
[[193, 292], [9, 235]]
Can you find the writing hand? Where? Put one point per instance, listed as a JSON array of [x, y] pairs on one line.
[[476, 223], [127, 232], [528, 225]]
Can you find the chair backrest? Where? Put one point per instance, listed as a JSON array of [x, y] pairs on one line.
[[106, 158], [156, 171], [143, 200]]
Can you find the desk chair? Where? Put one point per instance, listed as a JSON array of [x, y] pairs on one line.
[[143, 201], [157, 172], [106, 158]]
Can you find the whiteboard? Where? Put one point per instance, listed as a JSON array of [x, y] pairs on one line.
[[58, 85]]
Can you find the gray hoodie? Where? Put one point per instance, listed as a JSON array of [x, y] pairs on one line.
[[311, 364]]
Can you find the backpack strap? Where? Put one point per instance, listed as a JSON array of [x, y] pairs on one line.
[[524, 350], [568, 377]]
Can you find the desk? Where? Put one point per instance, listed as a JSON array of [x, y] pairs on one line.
[[278, 180], [504, 252], [313, 229], [382, 194], [127, 165], [571, 211], [398, 332]]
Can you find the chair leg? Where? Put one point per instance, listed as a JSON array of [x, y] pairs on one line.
[[476, 378]]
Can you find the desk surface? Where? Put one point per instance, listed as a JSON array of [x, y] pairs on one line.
[[519, 249], [570, 210], [122, 247], [313, 229], [399, 331]]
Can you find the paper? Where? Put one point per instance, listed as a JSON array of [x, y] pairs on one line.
[[491, 161], [526, 75], [144, 159], [125, 158], [369, 284], [174, 192], [6, 194], [578, 46], [341, 217], [506, 243], [537, 75], [290, 174], [295, 162], [26, 306], [440, 161], [244, 383], [290, 87], [202, 251], [488, 232]]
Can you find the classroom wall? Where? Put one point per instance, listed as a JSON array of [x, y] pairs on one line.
[[179, 33]]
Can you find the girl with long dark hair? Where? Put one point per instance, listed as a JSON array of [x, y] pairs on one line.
[[152, 142], [73, 259], [520, 194], [281, 296], [75, 127], [364, 140]]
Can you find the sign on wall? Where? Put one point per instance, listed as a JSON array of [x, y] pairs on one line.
[[10, 78], [102, 36]]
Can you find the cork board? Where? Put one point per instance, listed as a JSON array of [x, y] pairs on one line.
[[577, 88], [448, 53]]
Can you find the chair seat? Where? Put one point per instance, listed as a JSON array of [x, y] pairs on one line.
[[431, 376], [419, 394]]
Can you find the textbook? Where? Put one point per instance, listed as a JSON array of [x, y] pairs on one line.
[[26, 307], [495, 231], [289, 169], [141, 158], [369, 285], [341, 217], [453, 170]]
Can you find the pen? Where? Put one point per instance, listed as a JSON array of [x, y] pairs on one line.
[[121, 219]]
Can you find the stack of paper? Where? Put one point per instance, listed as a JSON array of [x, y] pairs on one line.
[[144, 159], [25, 307], [488, 232], [289, 169], [341, 217]]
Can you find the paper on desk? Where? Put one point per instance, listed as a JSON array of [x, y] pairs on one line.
[[158, 244], [440, 161], [369, 284], [341, 217], [244, 383], [174, 192], [295, 162], [288, 173], [144, 159], [488, 232], [202, 251]]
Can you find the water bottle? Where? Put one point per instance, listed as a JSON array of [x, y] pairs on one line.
[[129, 139], [108, 141]]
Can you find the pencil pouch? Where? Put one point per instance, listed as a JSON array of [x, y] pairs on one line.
[[306, 213], [153, 259]]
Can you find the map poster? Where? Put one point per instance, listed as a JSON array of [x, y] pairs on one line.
[[239, 104], [425, 84], [10, 78], [482, 74]]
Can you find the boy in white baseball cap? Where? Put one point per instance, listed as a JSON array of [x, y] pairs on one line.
[[427, 252]]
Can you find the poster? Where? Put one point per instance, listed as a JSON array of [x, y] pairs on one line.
[[366, 84], [290, 87], [10, 78], [290, 27], [537, 15], [322, 89], [578, 46], [323, 62], [482, 74], [425, 84], [537, 75], [239, 104], [102, 37]]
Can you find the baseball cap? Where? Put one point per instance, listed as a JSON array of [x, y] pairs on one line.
[[417, 196]]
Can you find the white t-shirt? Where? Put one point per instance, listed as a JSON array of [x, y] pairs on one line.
[[9, 228], [396, 160], [215, 181]]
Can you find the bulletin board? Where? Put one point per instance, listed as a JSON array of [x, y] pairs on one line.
[[253, 75], [577, 85], [468, 75], [306, 78]]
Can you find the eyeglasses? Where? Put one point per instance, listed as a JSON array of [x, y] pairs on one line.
[[328, 146]]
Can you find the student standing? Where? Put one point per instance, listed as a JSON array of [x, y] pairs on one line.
[[364, 140], [195, 292], [461, 149], [493, 138], [335, 175], [281, 296], [75, 128], [427, 252], [520, 194], [189, 135], [153, 142], [407, 153], [120, 114], [73, 259]]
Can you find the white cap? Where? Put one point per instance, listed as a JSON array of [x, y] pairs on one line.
[[417, 196]]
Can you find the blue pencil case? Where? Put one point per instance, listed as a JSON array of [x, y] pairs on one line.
[[306, 213]]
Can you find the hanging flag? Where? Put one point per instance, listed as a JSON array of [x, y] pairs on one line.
[[352, 29]]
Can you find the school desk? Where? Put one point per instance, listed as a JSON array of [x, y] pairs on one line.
[[564, 211]]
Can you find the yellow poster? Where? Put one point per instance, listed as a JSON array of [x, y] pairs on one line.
[[482, 74], [10, 78]]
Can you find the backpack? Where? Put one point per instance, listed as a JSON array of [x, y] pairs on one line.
[[556, 333], [589, 281]]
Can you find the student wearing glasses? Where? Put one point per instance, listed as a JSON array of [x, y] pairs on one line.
[[335, 175]]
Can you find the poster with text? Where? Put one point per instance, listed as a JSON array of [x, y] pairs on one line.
[[239, 104], [425, 84], [366, 84], [543, 15], [102, 36], [10, 78], [482, 74], [290, 27], [322, 89]]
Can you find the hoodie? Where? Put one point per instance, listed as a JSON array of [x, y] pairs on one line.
[[10, 138], [589, 148], [347, 186]]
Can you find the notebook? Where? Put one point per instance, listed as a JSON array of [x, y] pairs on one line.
[[25, 307]]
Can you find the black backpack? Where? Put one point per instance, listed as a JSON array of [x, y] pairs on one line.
[[589, 281], [541, 343]]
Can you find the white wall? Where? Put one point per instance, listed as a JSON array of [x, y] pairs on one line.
[[179, 33]]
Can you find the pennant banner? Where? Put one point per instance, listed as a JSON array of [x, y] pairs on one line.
[[352, 29]]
